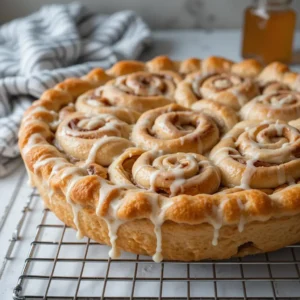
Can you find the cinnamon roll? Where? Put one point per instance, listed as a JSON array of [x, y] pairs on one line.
[[173, 129], [216, 64], [258, 155], [229, 89], [273, 72], [93, 138], [140, 91], [171, 174], [93, 102], [224, 116], [274, 87], [283, 105]]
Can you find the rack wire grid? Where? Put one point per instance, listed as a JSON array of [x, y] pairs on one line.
[[60, 267]]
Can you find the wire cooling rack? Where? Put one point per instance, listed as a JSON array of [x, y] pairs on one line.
[[60, 267]]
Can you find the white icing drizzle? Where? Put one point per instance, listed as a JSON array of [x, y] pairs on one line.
[[90, 123], [53, 125], [242, 219], [264, 122], [279, 128], [137, 88], [157, 218], [209, 93], [59, 163], [247, 109], [248, 173], [32, 142], [195, 85], [113, 227], [103, 122], [177, 185], [223, 153], [42, 162], [98, 144], [178, 172], [137, 170], [217, 223], [105, 190], [285, 145], [152, 180], [222, 83], [111, 220], [240, 97], [75, 207], [217, 227], [93, 102], [181, 139], [217, 220], [279, 103]]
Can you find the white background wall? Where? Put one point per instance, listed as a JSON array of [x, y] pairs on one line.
[[158, 13]]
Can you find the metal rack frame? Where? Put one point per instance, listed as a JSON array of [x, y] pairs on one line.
[[161, 279]]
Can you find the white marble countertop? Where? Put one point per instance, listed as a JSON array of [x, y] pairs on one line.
[[14, 190]]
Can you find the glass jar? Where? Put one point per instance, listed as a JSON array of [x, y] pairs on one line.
[[268, 31]]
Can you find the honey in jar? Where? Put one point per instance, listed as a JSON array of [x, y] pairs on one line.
[[268, 31]]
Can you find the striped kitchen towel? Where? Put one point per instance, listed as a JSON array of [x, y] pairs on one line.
[[57, 42]]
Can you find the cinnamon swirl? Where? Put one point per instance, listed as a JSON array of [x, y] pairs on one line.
[[258, 154], [173, 129], [229, 89], [94, 138], [140, 91], [282, 105], [171, 174]]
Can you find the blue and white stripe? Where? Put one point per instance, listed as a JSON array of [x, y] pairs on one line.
[[57, 42]]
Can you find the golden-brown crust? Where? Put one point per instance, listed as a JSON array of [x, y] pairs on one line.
[[190, 223], [181, 241], [247, 68], [215, 64], [273, 72], [126, 67], [188, 66], [161, 63]]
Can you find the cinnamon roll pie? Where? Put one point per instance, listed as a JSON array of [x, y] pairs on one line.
[[182, 160]]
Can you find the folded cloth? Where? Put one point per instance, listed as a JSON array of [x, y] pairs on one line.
[[57, 42]]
